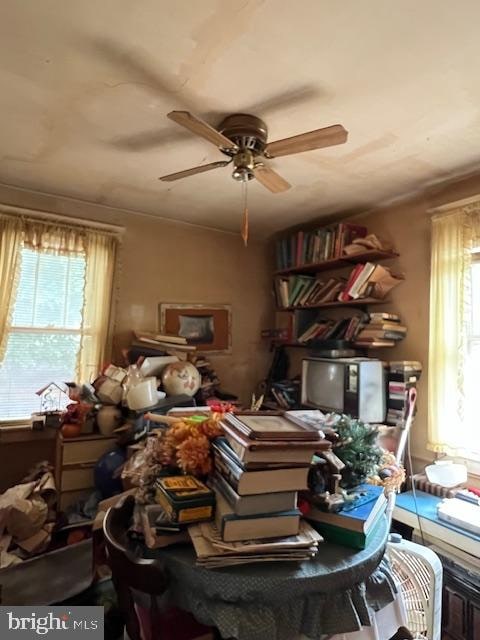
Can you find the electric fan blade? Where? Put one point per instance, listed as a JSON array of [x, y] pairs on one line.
[[270, 178], [201, 128], [326, 137], [191, 172]]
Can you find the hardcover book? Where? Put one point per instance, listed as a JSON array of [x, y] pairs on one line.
[[233, 528], [358, 515], [274, 425], [263, 481], [254, 504]]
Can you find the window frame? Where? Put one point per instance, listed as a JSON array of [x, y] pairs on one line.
[[6, 423]]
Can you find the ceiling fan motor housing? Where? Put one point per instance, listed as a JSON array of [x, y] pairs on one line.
[[247, 131]]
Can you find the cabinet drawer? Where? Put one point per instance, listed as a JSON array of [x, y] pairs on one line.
[[86, 450], [75, 479], [70, 497]]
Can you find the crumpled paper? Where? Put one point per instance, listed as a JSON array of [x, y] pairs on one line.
[[24, 511]]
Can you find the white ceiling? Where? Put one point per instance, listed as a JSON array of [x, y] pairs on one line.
[[85, 86]]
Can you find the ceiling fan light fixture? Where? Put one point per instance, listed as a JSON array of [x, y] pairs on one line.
[[242, 174]]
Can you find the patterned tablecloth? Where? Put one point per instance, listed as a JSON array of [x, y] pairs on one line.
[[335, 592]]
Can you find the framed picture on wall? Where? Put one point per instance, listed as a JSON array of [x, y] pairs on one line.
[[208, 327]]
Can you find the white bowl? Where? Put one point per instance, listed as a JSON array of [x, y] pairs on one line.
[[446, 473]]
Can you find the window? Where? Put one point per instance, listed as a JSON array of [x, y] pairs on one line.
[[44, 337], [472, 361], [454, 341], [55, 298]]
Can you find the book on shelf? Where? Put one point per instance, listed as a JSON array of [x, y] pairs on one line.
[[405, 366], [312, 246], [329, 329], [233, 527], [354, 274], [301, 285], [387, 326], [369, 333], [369, 343], [255, 504], [400, 386], [359, 285], [346, 233], [359, 515], [383, 316], [162, 346], [248, 483], [148, 336]]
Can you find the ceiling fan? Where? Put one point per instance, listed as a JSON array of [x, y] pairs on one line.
[[243, 139]]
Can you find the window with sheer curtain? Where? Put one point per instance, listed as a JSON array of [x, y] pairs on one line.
[[454, 342], [55, 301]]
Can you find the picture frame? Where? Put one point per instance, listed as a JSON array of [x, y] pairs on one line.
[[208, 327]]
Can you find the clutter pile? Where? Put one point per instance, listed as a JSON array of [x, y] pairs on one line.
[[29, 523]]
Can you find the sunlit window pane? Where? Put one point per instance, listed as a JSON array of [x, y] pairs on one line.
[[44, 340]]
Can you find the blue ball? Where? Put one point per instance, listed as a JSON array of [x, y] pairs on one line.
[[107, 472]]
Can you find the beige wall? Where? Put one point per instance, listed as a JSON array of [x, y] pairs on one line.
[[162, 261], [408, 225]]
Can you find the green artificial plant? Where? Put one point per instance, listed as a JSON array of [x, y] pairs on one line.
[[357, 449]]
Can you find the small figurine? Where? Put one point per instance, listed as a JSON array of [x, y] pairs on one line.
[[75, 413], [324, 482]]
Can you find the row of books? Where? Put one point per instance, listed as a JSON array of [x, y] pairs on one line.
[[330, 329], [382, 330], [402, 376], [365, 280], [316, 245], [256, 482], [357, 522], [285, 393], [372, 330]]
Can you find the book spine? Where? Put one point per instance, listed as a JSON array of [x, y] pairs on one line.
[[225, 471]]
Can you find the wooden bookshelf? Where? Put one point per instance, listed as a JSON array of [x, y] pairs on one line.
[[359, 302], [338, 263]]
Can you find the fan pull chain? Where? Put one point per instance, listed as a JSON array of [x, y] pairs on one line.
[[245, 210]]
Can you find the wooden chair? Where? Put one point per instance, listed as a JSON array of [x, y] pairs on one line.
[[148, 576]]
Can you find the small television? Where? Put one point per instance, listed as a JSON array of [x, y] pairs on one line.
[[354, 386]]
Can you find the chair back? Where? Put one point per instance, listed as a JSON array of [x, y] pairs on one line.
[[128, 571]]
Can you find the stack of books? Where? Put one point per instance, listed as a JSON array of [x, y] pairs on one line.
[[145, 343], [402, 376], [382, 330], [213, 552], [355, 525], [260, 464]]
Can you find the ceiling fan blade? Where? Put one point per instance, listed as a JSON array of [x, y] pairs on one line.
[[191, 172], [270, 178], [326, 137], [201, 128]]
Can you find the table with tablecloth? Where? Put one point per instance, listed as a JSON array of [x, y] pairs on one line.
[[335, 592]]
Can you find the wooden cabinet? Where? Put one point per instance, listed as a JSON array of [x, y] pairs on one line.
[[76, 458], [461, 603], [21, 449]]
